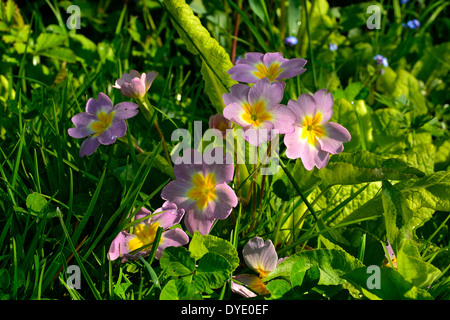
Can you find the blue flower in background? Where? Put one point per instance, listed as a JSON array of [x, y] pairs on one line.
[[404, 1], [291, 41], [413, 24], [381, 60], [333, 46]]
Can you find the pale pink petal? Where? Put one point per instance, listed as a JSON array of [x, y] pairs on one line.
[[324, 104], [299, 148], [283, 119], [88, 146], [304, 106], [171, 238], [119, 245], [336, 135], [103, 103], [264, 90], [271, 57], [150, 77], [251, 286], [117, 129], [260, 255], [226, 199], [238, 94], [170, 215], [125, 110], [176, 192], [196, 220], [223, 171], [234, 112], [292, 68]]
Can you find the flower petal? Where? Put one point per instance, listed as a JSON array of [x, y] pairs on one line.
[[283, 119], [88, 146], [103, 103], [223, 170], [126, 77], [300, 148], [196, 220], [225, 201], [270, 93], [336, 135], [251, 58], [170, 215], [190, 164], [234, 112], [149, 78], [271, 57], [251, 286], [305, 105], [292, 68], [143, 212], [116, 130], [238, 94], [82, 123], [171, 238], [133, 89], [119, 245], [125, 110], [324, 104], [262, 134], [259, 255], [176, 192]]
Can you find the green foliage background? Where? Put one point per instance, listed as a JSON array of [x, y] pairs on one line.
[[391, 182]]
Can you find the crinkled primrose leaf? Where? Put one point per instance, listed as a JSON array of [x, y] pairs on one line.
[[215, 60]]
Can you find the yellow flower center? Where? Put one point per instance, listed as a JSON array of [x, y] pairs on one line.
[[262, 272], [145, 234], [103, 123], [203, 190], [312, 129], [272, 73], [256, 114]]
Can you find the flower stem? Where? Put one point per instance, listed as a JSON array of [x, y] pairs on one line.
[[308, 31], [149, 114]]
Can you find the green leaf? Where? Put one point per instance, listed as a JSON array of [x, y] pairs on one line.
[[429, 67], [179, 289], [332, 263], [389, 134], [202, 244], [279, 289], [60, 53], [403, 83], [35, 203], [258, 8], [47, 41], [177, 261], [344, 114], [413, 269], [364, 166], [397, 215], [392, 285], [298, 272], [423, 197], [215, 60], [213, 272]]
